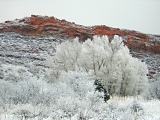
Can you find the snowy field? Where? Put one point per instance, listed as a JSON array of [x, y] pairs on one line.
[[24, 96], [29, 92]]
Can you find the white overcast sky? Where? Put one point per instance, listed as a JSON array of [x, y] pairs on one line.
[[140, 15]]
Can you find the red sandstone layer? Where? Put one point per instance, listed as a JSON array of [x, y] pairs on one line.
[[51, 26]]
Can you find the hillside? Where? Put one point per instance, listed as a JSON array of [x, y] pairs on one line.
[[42, 26]]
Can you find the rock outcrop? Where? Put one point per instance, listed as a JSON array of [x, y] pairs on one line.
[[40, 26]]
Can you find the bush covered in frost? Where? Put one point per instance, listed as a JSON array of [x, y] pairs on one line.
[[72, 95]]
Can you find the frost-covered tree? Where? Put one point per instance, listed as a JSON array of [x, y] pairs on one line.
[[68, 57], [109, 61]]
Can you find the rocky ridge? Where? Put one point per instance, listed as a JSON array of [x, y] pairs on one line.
[[43, 26]]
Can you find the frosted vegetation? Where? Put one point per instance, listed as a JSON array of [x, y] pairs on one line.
[[67, 91], [110, 62]]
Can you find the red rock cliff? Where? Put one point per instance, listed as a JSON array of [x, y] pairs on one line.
[[51, 26]]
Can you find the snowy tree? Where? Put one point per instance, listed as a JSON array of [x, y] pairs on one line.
[[67, 54], [109, 61]]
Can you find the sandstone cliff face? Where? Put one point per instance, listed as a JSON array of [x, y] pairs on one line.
[[50, 26]]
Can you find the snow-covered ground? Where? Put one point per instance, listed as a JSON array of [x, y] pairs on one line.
[[26, 92], [24, 96]]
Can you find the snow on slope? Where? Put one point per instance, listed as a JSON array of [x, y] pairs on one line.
[[19, 50], [26, 94]]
